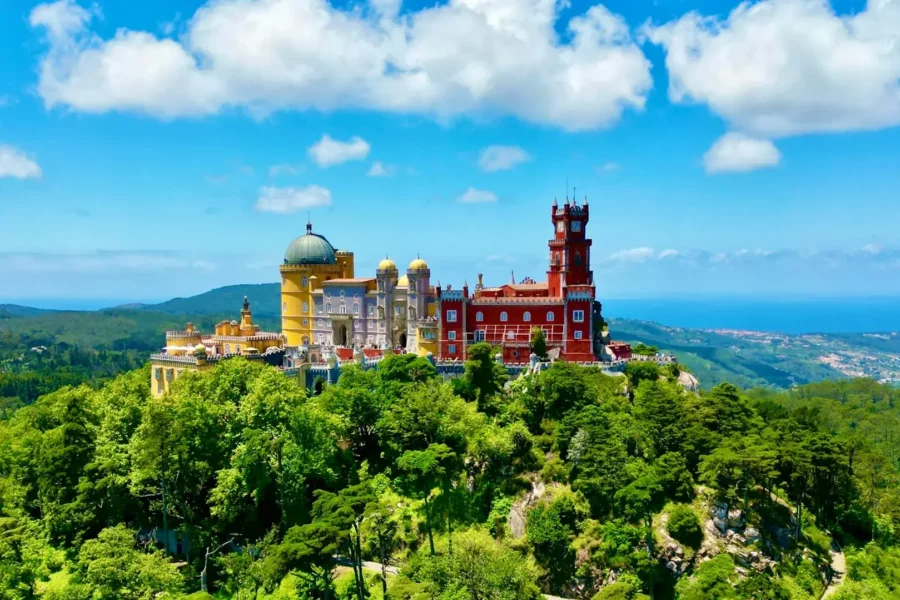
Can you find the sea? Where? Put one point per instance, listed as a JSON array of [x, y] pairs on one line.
[[785, 315], [790, 315]]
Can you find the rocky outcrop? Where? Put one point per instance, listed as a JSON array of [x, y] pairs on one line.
[[517, 519]]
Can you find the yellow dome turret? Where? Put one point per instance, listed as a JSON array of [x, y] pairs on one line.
[[418, 265], [387, 265], [403, 281]]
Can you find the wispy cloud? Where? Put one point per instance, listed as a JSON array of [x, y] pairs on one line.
[[286, 169], [328, 151], [287, 200], [15, 163], [501, 158], [870, 254], [473, 196], [216, 179], [640, 254], [608, 167], [378, 169], [109, 261]]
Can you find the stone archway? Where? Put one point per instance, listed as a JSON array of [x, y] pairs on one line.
[[401, 340], [342, 336]]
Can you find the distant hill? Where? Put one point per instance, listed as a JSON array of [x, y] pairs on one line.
[[265, 300], [9, 311]]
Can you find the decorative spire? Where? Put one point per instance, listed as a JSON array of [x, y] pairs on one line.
[[246, 304], [512, 277], [554, 202]]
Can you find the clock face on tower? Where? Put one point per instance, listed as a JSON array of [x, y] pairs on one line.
[[561, 226]]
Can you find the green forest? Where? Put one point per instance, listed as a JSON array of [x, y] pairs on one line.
[[396, 484]]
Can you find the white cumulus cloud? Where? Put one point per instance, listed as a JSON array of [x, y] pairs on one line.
[[736, 152], [287, 200], [328, 151], [460, 58], [501, 158], [473, 196], [667, 254], [786, 67], [15, 163]]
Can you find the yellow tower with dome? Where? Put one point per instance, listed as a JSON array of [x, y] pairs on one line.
[[309, 261]]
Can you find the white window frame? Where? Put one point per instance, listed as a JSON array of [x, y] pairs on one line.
[[451, 349], [526, 317], [451, 316], [451, 335], [550, 315], [578, 316], [479, 316], [304, 282], [305, 307], [578, 334], [504, 317]]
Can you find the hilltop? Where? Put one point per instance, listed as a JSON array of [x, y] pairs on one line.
[[745, 358]]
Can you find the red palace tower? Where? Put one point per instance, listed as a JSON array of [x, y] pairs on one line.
[[564, 307]]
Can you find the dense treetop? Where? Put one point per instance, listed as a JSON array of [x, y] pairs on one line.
[[569, 482]]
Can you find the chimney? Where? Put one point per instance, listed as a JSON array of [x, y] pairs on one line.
[[480, 284]]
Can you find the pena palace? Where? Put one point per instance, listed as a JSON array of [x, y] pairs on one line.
[[330, 316]]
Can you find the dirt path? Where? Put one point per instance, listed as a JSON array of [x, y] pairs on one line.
[[838, 567]]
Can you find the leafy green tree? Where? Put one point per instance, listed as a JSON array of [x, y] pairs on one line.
[[424, 470], [711, 581], [346, 510], [381, 529], [673, 475], [638, 372], [484, 375], [538, 343], [309, 549], [481, 568], [65, 452], [659, 409], [113, 567], [550, 530], [684, 526]]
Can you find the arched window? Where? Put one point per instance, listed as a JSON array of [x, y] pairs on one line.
[[526, 317], [237, 349], [343, 309], [412, 313], [380, 312], [328, 308], [503, 317], [304, 282], [305, 340], [371, 310], [578, 259], [380, 285], [479, 316], [227, 348], [550, 315], [510, 335], [355, 308], [305, 307]]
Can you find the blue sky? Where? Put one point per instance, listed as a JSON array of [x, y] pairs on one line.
[[155, 149]]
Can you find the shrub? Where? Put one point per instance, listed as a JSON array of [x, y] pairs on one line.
[[555, 470], [684, 526]]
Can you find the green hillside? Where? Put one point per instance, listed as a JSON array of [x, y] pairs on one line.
[[9, 311], [264, 298]]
